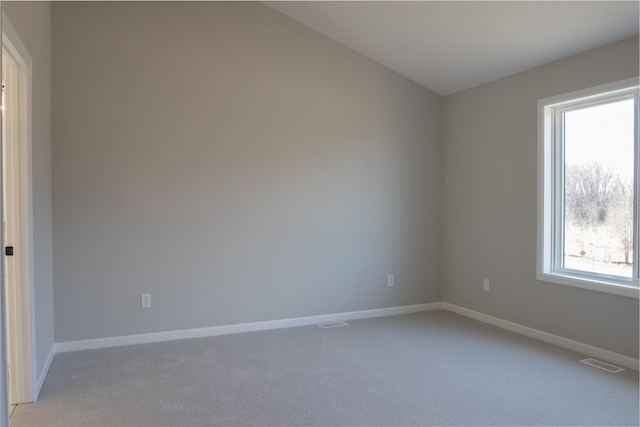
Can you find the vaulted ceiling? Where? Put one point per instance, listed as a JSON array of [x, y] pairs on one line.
[[449, 46]]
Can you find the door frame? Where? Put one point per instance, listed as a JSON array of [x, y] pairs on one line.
[[4, 400], [20, 337]]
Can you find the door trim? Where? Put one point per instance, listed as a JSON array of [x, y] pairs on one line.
[[4, 400], [22, 338]]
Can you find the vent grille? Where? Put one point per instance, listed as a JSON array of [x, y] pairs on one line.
[[333, 325], [602, 365]]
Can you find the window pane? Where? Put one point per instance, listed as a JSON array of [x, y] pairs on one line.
[[598, 214]]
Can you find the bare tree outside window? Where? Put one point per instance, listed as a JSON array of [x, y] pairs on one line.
[[588, 194], [598, 189]]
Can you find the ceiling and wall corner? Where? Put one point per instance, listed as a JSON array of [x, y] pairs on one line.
[[492, 61], [449, 46]]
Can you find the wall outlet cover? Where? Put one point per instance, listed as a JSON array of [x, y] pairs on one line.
[[145, 300]]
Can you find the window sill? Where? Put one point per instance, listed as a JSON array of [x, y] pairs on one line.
[[622, 289]]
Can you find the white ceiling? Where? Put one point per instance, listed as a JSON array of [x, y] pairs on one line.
[[448, 46]]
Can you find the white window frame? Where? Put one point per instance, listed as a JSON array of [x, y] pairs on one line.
[[551, 191]]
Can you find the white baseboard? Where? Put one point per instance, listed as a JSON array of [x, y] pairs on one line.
[[89, 344], [44, 372], [605, 355]]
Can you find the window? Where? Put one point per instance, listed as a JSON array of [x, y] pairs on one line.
[[588, 233]]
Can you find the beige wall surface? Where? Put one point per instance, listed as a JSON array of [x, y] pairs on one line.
[[237, 166], [490, 190], [32, 21]]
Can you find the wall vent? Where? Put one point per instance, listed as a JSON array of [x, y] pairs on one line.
[[602, 365], [333, 324]]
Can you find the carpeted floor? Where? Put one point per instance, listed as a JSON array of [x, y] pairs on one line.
[[428, 369]]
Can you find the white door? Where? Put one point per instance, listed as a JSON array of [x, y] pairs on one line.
[[11, 282], [17, 273]]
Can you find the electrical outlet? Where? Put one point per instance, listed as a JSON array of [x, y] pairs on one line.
[[485, 285], [145, 300], [391, 281]]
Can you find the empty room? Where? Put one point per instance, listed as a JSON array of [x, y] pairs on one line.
[[320, 213]]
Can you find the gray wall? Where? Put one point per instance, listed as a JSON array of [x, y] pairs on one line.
[[236, 165], [32, 21], [490, 158]]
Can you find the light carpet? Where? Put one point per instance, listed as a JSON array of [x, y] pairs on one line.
[[428, 369]]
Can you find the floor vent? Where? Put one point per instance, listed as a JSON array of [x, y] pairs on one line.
[[333, 324], [602, 365]]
